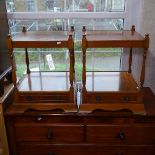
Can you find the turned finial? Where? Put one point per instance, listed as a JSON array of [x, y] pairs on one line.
[[8, 41], [133, 29], [84, 28], [147, 36], [72, 28], [24, 29], [147, 40], [8, 36]]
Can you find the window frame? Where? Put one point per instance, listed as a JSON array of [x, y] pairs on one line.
[[30, 5]]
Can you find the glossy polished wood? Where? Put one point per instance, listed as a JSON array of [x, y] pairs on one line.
[[110, 82], [45, 81], [97, 132], [108, 87], [125, 38], [60, 86], [55, 133], [41, 39]]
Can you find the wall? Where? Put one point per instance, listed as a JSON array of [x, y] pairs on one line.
[[142, 15], [148, 26], [4, 54]]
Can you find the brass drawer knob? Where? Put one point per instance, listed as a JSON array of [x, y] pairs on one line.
[[121, 135], [126, 99], [39, 119], [98, 98], [49, 134]]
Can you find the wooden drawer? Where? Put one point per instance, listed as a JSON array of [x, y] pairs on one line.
[[40, 97], [135, 134], [84, 150], [112, 98], [49, 133]]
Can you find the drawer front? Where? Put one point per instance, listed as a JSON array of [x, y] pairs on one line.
[[49, 133], [106, 98], [84, 150], [58, 98], [121, 134]]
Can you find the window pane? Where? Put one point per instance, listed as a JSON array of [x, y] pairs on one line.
[[64, 24], [42, 60], [66, 5], [95, 5], [30, 5], [100, 59]]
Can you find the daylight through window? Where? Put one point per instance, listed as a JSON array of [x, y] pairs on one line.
[[58, 15]]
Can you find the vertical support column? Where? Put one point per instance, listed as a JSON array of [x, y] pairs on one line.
[[146, 46], [27, 61], [72, 31], [26, 53], [130, 56], [84, 47], [71, 53], [130, 61]]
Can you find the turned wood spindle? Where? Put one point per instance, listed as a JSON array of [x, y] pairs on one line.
[[130, 61], [84, 47], [71, 53], [72, 30], [24, 30], [27, 60], [146, 46]]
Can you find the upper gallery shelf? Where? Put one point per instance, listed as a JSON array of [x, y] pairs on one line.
[[124, 38]]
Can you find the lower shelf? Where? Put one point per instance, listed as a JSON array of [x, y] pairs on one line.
[[48, 87], [111, 87], [45, 81], [110, 82]]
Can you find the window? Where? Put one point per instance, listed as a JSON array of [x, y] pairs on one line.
[[30, 5], [60, 15]]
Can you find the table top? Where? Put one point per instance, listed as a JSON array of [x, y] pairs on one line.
[[42, 36], [113, 38], [41, 39], [113, 35]]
